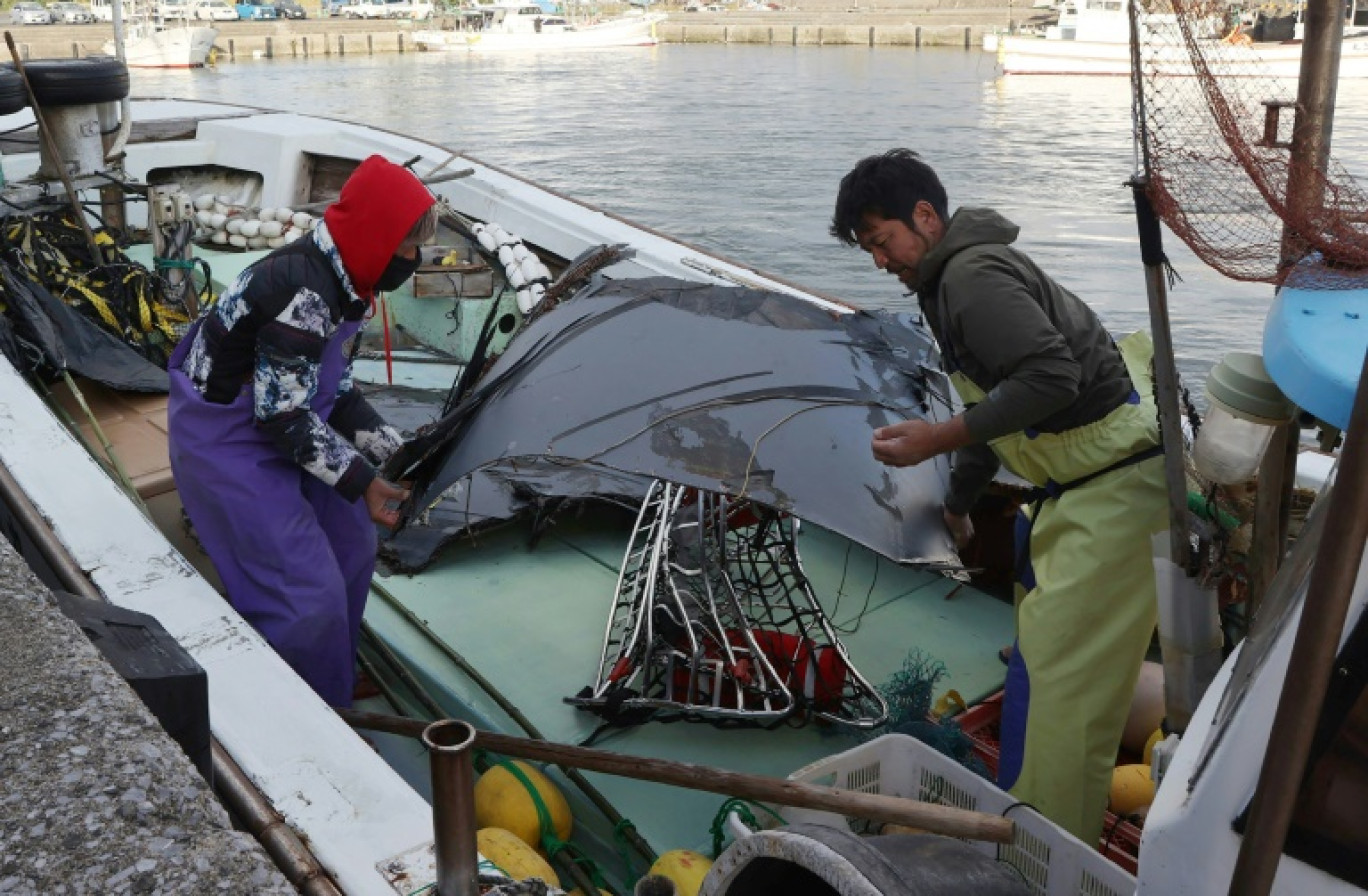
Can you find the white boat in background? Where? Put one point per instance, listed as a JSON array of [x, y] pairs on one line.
[[151, 42], [1092, 37], [526, 26]]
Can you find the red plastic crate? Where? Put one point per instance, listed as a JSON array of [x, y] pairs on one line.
[[1120, 837]]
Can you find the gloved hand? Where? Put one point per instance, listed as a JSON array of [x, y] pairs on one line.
[[960, 527], [382, 501]]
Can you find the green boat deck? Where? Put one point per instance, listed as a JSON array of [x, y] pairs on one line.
[[531, 620]]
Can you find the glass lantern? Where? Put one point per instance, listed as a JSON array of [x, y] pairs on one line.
[[1244, 407]]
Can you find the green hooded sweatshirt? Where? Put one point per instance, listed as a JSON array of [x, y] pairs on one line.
[[1041, 355]]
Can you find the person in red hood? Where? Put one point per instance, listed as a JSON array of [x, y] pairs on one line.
[[273, 447]]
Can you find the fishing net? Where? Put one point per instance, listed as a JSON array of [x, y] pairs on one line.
[[714, 619], [1214, 110], [119, 296]]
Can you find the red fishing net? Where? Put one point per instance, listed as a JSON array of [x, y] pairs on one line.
[[1218, 170]]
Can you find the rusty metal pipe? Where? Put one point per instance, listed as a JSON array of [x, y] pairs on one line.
[[453, 806], [283, 845]]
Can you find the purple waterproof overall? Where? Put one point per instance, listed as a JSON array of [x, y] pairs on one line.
[[295, 557]]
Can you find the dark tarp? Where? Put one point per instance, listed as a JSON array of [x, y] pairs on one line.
[[68, 341], [728, 389]]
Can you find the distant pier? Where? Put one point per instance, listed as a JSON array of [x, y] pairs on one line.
[[923, 24]]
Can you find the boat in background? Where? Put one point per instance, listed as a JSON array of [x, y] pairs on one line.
[[150, 41], [1092, 37], [526, 26]]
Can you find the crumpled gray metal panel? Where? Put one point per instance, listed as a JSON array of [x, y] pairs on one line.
[[742, 391]]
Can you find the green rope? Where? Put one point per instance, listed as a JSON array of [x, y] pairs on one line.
[[741, 808], [624, 844]]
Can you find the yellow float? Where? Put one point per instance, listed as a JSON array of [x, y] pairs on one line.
[[502, 801], [684, 868], [1132, 789], [518, 860]]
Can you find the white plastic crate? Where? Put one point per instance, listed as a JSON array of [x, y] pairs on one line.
[[1050, 860]]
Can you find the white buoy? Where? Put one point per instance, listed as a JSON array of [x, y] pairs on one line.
[[233, 225], [526, 301], [271, 229], [217, 220], [204, 202], [250, 228], [256, 242], [220, 208], [266, 214], [506, 256], [515, 276], [283, 215], [486, 239], [291, 235], [531, 268], [219, 238], [302, 220], [275, 242], [238, 240], [204, 217]]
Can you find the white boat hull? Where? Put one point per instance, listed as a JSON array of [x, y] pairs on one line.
[[187, 47], [638, 31], [1042, 56]]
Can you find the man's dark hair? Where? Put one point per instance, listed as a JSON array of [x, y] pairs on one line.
[[890, 186]]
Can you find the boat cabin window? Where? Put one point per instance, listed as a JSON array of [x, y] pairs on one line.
[[1108, 5]]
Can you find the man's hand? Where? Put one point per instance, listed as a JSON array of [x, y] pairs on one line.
[[909, 443], [961, 529], [382, 501]]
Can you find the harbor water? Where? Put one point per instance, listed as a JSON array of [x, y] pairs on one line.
[[739, 149]]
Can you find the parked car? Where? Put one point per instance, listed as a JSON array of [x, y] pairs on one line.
[[367, 9], [419, 10], [213, 11], [70, 13], [29, 14], [290, 9], [173, 9], [256, 11]]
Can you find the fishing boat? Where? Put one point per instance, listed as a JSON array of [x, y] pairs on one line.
[[1092, 37], [551, 565], [146, 40], [587, 498], [527, 26]]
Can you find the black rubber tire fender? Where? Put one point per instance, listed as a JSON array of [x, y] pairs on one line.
[[77, 82], [13, 96]]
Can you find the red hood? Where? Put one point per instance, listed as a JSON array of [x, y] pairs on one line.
[[379, 204]]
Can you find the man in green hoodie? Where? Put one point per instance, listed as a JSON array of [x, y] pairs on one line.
[[1049, 394]]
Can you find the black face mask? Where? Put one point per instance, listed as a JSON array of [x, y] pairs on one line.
[[398, 271]]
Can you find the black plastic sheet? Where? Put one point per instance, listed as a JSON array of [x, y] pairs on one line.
[[68, 341], [750, 393]]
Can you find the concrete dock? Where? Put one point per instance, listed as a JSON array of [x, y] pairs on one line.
[[94, 796], [912, 24]]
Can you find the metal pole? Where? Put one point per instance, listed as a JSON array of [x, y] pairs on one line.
[[1338, 557], [453, 807], [1165, 374], [1315, 118]]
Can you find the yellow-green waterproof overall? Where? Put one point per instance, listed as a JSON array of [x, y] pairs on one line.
[[1085, 609]]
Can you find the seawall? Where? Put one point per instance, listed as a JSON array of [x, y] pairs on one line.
[[912, 26]]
